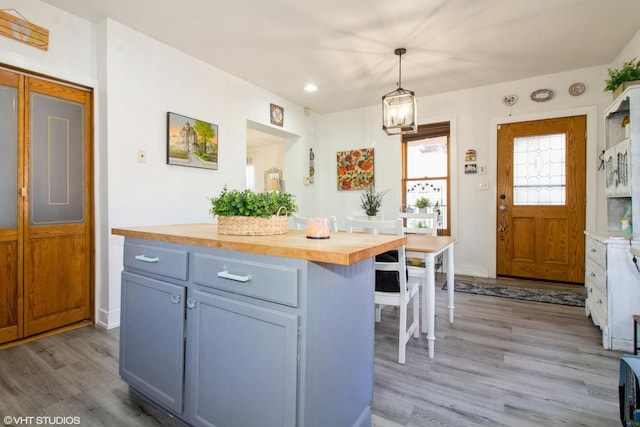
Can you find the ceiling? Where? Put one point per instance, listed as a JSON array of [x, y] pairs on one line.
[[346, 47]]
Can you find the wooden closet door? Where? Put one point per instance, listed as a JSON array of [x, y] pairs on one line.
[[10, 206], [58, 213]]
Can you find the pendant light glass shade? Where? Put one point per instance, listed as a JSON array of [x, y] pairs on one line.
[[399, 108]]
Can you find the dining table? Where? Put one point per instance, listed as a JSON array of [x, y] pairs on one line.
[[426, 249]]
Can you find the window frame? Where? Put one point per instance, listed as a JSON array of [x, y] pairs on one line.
[[431, 130]]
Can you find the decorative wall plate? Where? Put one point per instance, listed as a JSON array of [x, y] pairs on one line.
[[277, 115], [509, 100], [576, 89], [542, 95]]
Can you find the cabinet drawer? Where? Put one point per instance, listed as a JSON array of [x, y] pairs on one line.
[[268, 282], [595, 276], [597, 251], [157, 260], [598, 305]]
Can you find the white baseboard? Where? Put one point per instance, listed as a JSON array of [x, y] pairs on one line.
[[108, 319]]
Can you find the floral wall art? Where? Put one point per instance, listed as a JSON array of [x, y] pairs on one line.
[[355, 169]]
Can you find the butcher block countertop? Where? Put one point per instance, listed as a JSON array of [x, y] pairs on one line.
[[341, 248]]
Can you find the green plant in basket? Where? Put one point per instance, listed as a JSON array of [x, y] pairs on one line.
[[629, 72], [249, 203]]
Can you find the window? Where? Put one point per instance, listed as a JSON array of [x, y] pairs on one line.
[[425, 171], [539, 170]]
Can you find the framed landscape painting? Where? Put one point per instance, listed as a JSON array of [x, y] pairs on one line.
[[191, 142]]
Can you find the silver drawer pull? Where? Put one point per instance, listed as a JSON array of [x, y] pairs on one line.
[[147, 259], [175, 298], [226, 275]]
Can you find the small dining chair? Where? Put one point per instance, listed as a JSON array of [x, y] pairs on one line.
[[393, 287]]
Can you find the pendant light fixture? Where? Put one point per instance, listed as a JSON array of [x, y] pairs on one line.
[[399, 108]]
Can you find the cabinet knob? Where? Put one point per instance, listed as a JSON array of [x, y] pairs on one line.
[[593, 250], [191, 303], [599, 301], [592, 274], [175, 298]]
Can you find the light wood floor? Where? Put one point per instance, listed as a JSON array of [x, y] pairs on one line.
[[502, 363]]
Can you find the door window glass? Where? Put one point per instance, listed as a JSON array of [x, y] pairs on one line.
[[9, 158], [539, 170]]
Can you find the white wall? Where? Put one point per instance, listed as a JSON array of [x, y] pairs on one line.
[[143, 80], [71, 55], [474, 115]]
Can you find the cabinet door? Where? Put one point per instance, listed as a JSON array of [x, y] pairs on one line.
[[242, 362], [610, 166], [623, 161], [152, 338]]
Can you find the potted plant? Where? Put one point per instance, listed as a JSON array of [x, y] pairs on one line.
[[248, 213], [423, 203], [629, 72], [372, 201]]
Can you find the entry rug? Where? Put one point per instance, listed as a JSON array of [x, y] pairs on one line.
[[526, 294]]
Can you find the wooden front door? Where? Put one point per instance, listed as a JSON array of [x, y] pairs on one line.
[[541, 199]]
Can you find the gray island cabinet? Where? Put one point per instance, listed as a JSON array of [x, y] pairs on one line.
[[250, 331]]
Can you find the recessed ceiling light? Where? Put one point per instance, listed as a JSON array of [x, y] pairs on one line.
[[311, 87]]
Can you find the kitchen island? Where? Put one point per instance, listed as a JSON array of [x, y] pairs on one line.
[[250, 330]]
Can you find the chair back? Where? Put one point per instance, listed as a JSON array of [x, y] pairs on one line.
[[391, 273], [386, 226], [419, 223]]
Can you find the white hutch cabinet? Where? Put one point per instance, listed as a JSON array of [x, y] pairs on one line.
[[612, 279]]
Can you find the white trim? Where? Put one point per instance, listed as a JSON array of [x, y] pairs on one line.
[[108, 319]]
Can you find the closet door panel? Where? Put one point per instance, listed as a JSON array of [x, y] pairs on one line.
[[10, 204], [58, 234]]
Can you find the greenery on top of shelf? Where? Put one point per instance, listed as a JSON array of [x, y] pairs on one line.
[[372, 201], [629, 72], [423, 202], [249, 203]]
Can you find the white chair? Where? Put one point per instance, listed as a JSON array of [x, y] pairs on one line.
[[422, 224], [386, 265], [300, 223], [419, 223]]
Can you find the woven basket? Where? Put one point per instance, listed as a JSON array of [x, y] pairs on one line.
[[253, 225]]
